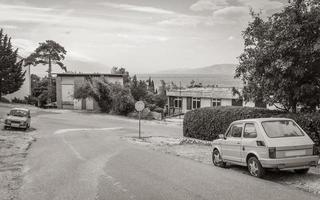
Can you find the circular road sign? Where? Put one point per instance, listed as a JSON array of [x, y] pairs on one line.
[[139, 106]]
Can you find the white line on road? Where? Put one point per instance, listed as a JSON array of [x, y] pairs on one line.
[[76, 153], [62, 131]]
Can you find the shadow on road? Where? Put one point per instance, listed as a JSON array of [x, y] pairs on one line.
[[17, 130]]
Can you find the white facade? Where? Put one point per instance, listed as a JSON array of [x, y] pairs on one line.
[[66, 84], [193, 98]]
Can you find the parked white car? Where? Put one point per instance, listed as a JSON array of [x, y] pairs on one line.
[[265, 143], [18, 118]]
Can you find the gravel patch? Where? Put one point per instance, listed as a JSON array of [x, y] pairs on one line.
[[13, 151]]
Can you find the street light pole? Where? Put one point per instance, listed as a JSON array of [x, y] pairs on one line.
[[180, 101]]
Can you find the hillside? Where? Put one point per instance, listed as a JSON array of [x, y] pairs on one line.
[[221, 75], [225, 69]]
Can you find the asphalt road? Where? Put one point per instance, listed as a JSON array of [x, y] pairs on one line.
[[82, 156]]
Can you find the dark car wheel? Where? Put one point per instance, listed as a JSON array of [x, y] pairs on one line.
[[217, 160], [301, 171], [255, 168]]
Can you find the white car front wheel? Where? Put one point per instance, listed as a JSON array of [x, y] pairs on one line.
[[217, 160]]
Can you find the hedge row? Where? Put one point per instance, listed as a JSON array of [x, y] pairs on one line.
[[208, 123]]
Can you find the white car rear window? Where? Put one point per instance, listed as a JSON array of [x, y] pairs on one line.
[[281, 128]]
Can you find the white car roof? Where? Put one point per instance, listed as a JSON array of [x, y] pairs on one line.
[[24, 109], [260, 120]]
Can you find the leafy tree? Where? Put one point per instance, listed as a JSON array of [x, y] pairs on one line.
[[150, 85], [48, 53], [281, 59], [11, 73], [173, 86], [109, 96], [124, 72], [163, 88], [138, 89], [39, 89], [122, 100], [34, 84]]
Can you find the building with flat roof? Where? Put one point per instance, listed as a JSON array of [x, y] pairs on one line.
[[192, 98], [66, 84]]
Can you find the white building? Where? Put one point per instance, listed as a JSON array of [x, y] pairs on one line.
[[181, 101], [66, 84], [193, 98]]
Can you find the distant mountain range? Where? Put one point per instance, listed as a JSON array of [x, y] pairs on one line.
[[220, 74], [225, 69]]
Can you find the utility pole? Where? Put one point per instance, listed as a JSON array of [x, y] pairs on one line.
[[180, 101], [50, 80]]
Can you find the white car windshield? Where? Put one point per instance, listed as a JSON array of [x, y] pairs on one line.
[[18, 113], [281, 128]]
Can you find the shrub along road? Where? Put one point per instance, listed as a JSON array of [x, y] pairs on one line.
[[82, 156]]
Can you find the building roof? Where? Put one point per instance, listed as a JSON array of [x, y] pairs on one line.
[[261, 119], [217, 92], [88, 74]]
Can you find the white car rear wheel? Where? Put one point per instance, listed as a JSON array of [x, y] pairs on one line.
[[255, 168]]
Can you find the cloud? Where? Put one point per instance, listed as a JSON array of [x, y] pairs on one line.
[[7, 26], [213, 5], [227, 12], [143, 9], [202, 5], [74, 55], [231, 38], [265, 5], [142, 38], [232, 13], [184, 20], [23, 7], [25, 46]]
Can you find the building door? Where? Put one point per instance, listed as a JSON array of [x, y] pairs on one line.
[[83, 104]]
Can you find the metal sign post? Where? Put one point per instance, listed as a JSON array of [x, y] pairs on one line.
[[139, 124], [139, 107]]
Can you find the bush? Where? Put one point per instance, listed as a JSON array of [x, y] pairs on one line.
[[122, 100], [158, 110], [31, 100], [4, 100], [19, 101], [208, 123]]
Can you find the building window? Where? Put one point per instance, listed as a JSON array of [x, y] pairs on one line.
[[216, 102], [196, 103], [178, 102], [189, 103], [171, 102]]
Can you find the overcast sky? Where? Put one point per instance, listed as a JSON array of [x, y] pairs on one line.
[[140, 35]]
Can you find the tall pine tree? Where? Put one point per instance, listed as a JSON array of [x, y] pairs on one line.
[[11, 73], [48, 53]]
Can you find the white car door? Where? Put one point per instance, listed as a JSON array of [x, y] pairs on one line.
[[231, 145]]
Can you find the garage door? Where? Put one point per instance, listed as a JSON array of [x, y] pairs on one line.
[[67, 93]]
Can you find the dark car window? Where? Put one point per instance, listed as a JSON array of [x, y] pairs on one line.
[[250, 131], [281, 128], [235, 131], [19, 113]]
